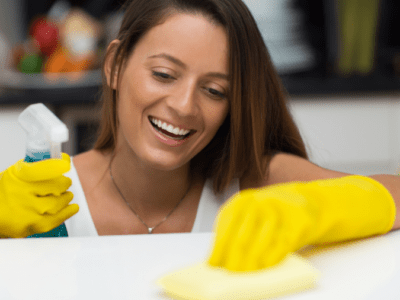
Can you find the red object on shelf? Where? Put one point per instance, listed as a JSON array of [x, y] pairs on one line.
[[46, 34]]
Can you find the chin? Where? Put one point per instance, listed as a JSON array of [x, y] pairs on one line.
[[165, 164]]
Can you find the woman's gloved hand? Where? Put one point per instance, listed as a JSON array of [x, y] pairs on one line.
[[34, 197], [258, 227]]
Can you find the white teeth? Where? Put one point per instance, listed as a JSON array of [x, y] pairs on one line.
[[169, 127], [181, 132], [175, 131]]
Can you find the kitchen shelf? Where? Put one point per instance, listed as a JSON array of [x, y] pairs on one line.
[[317, 85], [299, 85], [64, 89]]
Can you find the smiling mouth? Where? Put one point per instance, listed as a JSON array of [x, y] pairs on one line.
[[169, 131]]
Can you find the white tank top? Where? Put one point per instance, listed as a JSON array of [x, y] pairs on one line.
[[81, 224]]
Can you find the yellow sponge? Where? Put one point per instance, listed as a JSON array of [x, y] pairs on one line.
[[202, 281]]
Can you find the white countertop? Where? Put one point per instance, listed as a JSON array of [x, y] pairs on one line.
[[126, 267]]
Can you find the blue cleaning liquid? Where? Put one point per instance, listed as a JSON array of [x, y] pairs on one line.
[[60, 231]]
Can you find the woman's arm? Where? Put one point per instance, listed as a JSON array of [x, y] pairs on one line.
[[392, 184], [288, 168], [300, 204]]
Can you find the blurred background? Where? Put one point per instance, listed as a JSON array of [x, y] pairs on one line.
[[338, 59]]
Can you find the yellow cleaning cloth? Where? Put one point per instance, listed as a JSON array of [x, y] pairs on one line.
[[202, 281]]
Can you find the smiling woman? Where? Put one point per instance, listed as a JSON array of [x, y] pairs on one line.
[[193, 112], [251, 119], [182, 114]]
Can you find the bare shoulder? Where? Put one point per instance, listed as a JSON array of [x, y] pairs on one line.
[[286, 167], [89, 166], [91, 157]]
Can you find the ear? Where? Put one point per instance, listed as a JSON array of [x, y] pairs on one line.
[[110, 54]]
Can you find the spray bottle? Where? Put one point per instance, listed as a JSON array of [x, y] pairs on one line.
[[45, 133]]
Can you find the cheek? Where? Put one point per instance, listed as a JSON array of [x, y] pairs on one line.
[[134, 99], [215, 116], [128, 109]]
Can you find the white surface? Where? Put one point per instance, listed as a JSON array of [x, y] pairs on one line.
[[126, 267], [357, 135], [350, 125], [12, 136]]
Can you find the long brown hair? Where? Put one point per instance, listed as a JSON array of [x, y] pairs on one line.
[[259, 123]]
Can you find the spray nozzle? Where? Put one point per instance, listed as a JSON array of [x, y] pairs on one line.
[[45, 132]]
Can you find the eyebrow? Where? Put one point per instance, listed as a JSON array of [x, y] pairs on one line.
[[184, 66]]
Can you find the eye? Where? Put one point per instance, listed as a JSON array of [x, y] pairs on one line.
[[216, 93], [165, 76], [162, 75]]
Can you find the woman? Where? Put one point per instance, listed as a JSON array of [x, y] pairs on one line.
[[193, 112]]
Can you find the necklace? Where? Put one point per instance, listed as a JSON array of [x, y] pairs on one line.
[[150, 229]]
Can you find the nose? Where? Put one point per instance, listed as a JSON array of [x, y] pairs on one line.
[[184, 102]]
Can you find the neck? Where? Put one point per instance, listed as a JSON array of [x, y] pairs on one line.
[[149, 192]]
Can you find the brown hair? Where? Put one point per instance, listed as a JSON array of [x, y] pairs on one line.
[[259, 123]]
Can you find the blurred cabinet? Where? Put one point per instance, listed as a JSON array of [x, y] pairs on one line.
[[343, 31]]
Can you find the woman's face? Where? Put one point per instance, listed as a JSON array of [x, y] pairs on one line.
[[169, 109]]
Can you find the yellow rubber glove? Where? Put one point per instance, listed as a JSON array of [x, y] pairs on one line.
[[34, 197], [257, 228]]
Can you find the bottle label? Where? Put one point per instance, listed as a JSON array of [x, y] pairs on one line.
[[37, 156], [59, 231]]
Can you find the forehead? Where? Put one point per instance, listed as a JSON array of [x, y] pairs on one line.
[[193, 39]]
